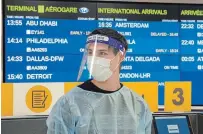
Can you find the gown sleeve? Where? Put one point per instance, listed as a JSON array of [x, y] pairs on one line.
[[148, 121], [60, 120]]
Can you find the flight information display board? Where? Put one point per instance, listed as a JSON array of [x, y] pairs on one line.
[[44, 41]]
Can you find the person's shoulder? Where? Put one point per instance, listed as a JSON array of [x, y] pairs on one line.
[[74, 91], [66, 102], [61, 101], [67, 97], [78, 95], [139, 104], [137, 99], [135, 94]]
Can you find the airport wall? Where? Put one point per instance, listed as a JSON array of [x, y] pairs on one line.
[[40, 61]]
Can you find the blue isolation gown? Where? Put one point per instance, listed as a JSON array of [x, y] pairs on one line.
[[86, 112]]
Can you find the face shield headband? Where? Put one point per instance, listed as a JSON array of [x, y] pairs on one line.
[[106, 40]]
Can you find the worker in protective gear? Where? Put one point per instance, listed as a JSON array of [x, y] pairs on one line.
[[101, 105]]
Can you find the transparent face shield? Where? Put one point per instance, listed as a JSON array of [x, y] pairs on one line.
[[98, 55]]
